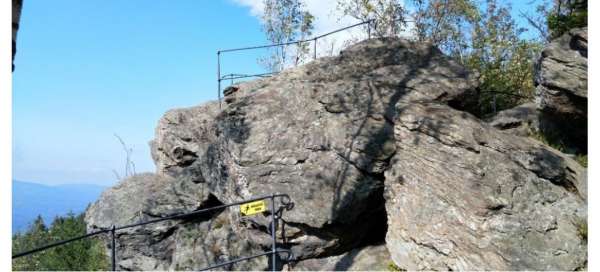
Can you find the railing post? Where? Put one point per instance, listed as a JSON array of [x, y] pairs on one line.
[[315, 50], [369, 28], [113, 250], [219, 77], [273, 230]]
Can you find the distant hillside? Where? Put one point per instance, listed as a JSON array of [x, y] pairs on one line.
[[31, 199]]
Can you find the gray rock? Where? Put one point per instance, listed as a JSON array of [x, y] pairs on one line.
[[190, 243], [320, 133], [370, 258], [521, 120], [461, 195], [338, 135], [561, 92]]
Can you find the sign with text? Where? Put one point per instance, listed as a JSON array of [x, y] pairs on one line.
[[253, 207]]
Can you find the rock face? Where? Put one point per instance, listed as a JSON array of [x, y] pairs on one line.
[[369, 150], [521, 120], [17, 5], [371, 258], [561, 92], [463, 196], [188, 244], [320, 133]]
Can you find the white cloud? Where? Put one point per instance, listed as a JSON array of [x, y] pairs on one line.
[[325, 13], [256, 6], [327, 19]]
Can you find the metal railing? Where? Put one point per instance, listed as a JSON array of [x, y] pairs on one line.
[[313, 39], [285, 204]]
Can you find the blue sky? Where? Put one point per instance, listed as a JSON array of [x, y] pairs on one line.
[[86, 70]]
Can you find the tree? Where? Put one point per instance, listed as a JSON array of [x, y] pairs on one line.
[[445, 23], [504, 61], [285, 21], [539, 20], [388, 15], [306, 28], [567, 14], [35, 236], [481, 35], [85, 254]]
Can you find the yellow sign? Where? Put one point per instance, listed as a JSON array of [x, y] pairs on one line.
[[254, 207]]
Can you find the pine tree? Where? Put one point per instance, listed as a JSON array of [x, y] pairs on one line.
[[86, 254]]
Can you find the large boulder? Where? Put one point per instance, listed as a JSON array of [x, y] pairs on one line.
[[561, 92], [371, 146], [461, 195], [320, 133]]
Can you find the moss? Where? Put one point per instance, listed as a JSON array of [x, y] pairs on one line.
[[393, 267], [582, 228], [582, 159]]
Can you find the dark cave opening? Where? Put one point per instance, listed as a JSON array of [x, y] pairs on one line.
[[376, 217], [210, 202]]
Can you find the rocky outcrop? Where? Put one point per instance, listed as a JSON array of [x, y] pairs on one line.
[[371, 146], [461, 195], [521, 120], [17, 5], [190, 243], [561, 92], [320, 133]]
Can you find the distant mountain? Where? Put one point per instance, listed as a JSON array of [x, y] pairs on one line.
[[32, 199]]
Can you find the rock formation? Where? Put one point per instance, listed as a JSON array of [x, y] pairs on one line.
[[461, 195], [522, 120], [372, 147], [188, 244], [561, 92], [17, 5]]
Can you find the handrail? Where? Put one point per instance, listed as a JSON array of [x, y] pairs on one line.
[[238, 76], [285, 201], [313, 39], [42, 248], [294, 42]]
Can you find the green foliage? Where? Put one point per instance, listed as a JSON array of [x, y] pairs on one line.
[[388, 15], [504, 61], [86, 254], [568, 14], [445, 23], [482, 36], [582, 159], [285, 21]]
